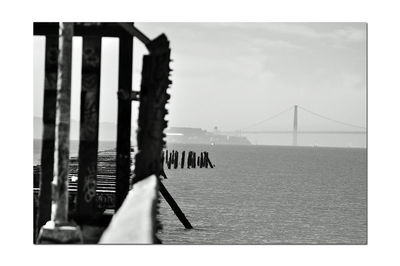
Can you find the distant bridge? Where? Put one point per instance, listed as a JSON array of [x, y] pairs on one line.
[[298, 132], [360, 130]]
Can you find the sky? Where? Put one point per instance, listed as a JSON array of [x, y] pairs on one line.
[[232, 75]]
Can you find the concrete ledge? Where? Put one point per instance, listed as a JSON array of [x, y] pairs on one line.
[[134, 223]]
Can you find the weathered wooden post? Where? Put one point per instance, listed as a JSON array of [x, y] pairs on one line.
[[183, 160], [194, 160], [170, 161], [202, 159], [176, 160], [59, 229], [189, 159], [208, 161], [48, 135]]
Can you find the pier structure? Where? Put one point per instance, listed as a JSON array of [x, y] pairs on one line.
[[88, 194]]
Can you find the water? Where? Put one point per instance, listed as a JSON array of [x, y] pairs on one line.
[[266, 195], [270, 195]]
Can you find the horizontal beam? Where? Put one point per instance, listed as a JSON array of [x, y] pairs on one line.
[[107, 29], [135, 32]]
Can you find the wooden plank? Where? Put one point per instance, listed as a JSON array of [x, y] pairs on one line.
[[48, 134], [89, 127], [124, 119]]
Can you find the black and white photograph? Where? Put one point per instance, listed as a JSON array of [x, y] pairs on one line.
[[200, 133]]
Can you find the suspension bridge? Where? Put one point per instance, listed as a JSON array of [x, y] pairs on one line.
[[355, 129]]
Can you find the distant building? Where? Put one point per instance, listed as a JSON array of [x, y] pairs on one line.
[[188, 135]]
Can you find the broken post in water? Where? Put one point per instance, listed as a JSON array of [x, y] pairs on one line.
[[183, 160], [193, 160]]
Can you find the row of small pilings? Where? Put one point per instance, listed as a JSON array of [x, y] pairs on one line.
[[171, 160]]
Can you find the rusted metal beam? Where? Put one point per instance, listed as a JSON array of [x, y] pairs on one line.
[[89, 129], [124, 119], [59, 230], [48, 134], [61, 160], [152, 111], [104, 29], [131, 29]]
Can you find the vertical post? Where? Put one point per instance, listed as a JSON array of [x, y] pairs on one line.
[[176, 155], [89, 127], [61, 160], [189, 159], [295, 126], [48, 135], [124, 119], [183, 160], [202, 160], [58, 229], [170, 160]]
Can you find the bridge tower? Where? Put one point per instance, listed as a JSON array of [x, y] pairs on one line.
[[295, 126]]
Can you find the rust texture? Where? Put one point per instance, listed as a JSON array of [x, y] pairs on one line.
[[152, 111], [61, 160]]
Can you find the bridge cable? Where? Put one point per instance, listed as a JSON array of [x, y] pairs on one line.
[[266, 119], [327, 118]]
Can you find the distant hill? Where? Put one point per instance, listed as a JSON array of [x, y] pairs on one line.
[[107, 130]]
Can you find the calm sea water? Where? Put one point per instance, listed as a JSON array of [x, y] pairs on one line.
[[270, 195], [266, 195]]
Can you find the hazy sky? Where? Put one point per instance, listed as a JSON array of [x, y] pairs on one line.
[[232, 75]]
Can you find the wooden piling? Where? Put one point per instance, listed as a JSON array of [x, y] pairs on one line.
[[183, 160], [176, 160], [189, 159], [208, 161], [170, 161]]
